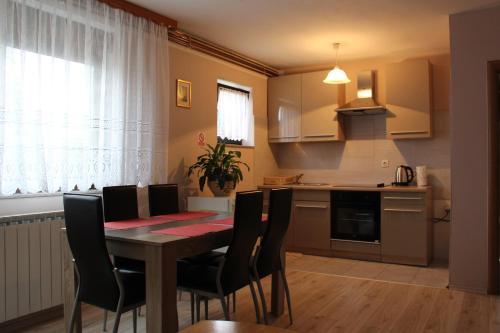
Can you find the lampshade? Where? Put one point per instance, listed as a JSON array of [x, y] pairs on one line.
[[336, 76]]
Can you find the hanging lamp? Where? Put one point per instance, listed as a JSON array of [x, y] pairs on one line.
[[336, 75]]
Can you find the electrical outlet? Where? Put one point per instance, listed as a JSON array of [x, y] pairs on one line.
[[384, 163]]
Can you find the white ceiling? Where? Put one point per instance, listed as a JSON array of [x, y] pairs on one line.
[[293, 33]]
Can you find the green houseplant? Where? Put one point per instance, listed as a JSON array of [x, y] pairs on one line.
[[220, 169]]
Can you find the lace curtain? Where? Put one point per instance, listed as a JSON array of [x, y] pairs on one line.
[[234, 114], [83, 96]]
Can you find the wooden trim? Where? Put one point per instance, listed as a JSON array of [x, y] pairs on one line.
[[220, 52], [32, 319], [141, 12]]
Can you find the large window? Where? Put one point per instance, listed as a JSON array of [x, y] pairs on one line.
[[81, 96], [235, 120]]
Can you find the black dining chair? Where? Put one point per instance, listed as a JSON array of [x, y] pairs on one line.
[[218, 277], [99, 283], [120, 203], [268, 257], [163, 199]]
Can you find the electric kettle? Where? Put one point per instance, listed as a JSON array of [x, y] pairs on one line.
[[404, 176]]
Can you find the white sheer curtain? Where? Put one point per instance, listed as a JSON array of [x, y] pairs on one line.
[[234, 114], [83, 96]]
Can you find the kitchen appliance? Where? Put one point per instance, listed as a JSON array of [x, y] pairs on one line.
[[404, 176], [355, 216], [421, 175], [365, 103]]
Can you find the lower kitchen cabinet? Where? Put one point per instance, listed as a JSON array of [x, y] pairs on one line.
[[311, 225], [406, 229]]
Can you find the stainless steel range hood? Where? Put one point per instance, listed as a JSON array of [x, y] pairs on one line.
[[365, 104]]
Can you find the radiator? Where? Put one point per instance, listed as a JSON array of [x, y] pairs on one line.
[[30, 264]]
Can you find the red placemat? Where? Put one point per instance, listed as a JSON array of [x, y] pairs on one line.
[[134, 223], [186, 215], [230, 220], [192, 230]]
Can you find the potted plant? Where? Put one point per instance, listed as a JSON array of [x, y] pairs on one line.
[[220, 169]]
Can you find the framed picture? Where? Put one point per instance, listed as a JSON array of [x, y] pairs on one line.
[[184, 94]]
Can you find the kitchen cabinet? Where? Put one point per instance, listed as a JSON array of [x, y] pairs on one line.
[[319, 120], [284, 108], [406, 228], [311, 224], [408, 100]]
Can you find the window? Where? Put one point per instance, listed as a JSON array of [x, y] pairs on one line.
[[234, 114], [81, 97]]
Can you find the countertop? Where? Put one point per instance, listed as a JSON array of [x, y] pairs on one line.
[[342, 187]]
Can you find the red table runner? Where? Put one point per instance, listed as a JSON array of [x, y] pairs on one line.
[[183, 216], [192, 230], [134, 223]]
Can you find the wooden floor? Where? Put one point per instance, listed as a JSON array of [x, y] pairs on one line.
[[325, 302]]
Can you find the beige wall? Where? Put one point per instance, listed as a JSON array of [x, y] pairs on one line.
[[474, 42], [358, 159], [203, 71]]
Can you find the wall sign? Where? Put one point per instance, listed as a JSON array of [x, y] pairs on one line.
[[201, 139]]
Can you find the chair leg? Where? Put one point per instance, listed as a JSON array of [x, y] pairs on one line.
[[117, 321], [224, 307], [105, 321], [287, 294], [73, 313], [198, 299], [206, 308], [134, 319], [262, 299], [255, 302], [234, 302], [192, 307]]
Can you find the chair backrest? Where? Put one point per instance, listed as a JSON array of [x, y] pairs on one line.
[[85, 231], [247, 224], [163, 199], [280, 207], [120, 203]]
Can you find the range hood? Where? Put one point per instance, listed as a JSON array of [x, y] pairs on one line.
[[365, 104]]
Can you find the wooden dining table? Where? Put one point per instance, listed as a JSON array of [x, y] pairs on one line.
[[160, 253]]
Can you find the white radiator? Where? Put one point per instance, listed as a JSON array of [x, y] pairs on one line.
[[30, 263]]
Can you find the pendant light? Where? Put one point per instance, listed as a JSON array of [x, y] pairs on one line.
[[336, 75]]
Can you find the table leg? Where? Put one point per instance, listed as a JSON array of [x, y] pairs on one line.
[[278, 291], [69, 287], [161, 290]]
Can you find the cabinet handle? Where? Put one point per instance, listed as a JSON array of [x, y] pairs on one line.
[[402, 198], [403, 210], [319, 136], [311, 206], [407, 132], [283, 137]]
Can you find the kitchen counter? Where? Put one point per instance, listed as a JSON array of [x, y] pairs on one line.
[[346, 187]]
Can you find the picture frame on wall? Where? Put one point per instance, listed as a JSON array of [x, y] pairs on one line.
[[183, 94]]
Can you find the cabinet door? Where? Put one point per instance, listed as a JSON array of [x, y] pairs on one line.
[[283, 109], [408, 100], [311, 222], [320, 122], [404, 235]]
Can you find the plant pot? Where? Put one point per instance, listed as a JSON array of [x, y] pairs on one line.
[[217, 191]]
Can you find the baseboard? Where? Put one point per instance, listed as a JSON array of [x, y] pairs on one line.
[[468, 289], [32, 319]]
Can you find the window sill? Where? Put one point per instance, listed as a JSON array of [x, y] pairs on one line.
[[239, 146], [42, 195]]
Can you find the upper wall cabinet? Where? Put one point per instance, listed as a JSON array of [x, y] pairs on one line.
[[408, 100], [319, 101], [301, 108], [284, 108]]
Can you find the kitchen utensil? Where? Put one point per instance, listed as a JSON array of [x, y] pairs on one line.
[[404, 176]]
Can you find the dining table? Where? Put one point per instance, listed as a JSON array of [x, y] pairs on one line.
[[160, 250]]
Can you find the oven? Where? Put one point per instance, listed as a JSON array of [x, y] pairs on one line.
[[355, 216]]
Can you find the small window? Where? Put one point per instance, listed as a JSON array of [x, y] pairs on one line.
[[234, 114]]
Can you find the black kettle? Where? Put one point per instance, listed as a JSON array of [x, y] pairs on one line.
[[404, 176]]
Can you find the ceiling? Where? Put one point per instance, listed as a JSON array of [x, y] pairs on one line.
[[295, 33]]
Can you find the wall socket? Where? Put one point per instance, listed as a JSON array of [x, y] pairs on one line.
[[384, 163]]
